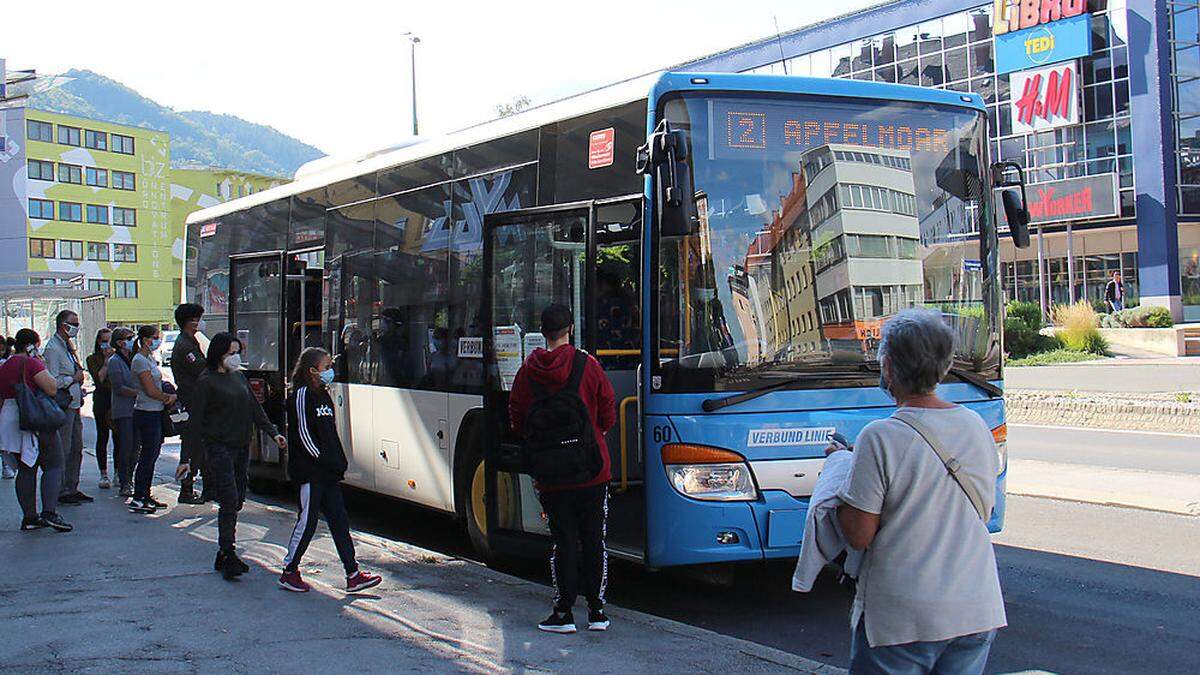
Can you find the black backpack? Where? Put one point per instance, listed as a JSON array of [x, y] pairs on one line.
[[560, 446]]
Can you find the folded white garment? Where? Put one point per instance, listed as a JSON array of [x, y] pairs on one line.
[[823, 540]]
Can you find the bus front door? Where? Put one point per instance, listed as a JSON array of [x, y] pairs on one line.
[[256, 318], [585, 256]]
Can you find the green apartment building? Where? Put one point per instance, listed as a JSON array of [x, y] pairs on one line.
[[97, 204]]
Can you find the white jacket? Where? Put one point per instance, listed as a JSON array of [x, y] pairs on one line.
[[823, 540]]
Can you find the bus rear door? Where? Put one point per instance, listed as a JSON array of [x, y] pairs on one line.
[[256, 317]]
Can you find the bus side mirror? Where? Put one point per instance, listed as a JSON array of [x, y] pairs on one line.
[[664, 157], [1010, 178]]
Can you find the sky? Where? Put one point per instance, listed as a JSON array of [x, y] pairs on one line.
[[336, 74]]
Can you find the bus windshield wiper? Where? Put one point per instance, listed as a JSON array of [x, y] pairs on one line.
[[714, 404]]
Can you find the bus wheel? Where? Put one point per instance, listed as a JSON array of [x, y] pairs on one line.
[[476, 507]]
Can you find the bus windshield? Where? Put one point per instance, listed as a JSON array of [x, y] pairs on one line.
[[820, 217]]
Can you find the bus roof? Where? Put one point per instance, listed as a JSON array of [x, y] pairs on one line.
[[627, 91]]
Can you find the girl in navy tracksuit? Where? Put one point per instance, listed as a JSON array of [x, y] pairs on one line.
[[317, 463]]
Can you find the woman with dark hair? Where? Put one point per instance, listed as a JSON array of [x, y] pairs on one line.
[[317, 465], [147, 417], [33, 451], [97, 367], [9, 460], [124, 394], [226, 412]]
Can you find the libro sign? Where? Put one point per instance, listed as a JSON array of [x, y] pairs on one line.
[[1052, 31], [1045, 98]]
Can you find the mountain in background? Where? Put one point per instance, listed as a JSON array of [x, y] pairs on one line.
[[197, 137]]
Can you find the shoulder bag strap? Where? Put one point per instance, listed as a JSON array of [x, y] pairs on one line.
[[577, 368], [951, 463]]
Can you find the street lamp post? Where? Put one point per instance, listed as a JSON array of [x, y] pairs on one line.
[[413, 40]]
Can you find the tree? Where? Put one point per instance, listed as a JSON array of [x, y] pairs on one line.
[[517, 105]]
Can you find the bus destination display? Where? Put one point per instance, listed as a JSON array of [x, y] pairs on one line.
[[762, 129]]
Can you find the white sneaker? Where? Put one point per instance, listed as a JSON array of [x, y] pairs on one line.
[[105, 483]]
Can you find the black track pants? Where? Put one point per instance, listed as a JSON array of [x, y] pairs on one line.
[[577, 526], [316, 499]]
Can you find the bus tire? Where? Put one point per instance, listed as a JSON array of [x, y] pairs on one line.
[[468, 483]]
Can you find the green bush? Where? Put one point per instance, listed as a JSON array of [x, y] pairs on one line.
[[1019, 338], [1028, 312], [1151, 316], [1053, 357]]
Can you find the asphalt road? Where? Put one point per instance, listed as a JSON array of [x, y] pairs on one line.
[[1127, 376], [1087, 588], [1172, 453]]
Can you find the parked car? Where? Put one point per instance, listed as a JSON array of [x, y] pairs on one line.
[[168, 343]]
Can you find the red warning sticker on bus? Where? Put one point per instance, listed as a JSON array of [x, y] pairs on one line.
[[601, 148], [208, 230]]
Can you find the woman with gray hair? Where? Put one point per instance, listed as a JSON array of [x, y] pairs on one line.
[[916, 500]]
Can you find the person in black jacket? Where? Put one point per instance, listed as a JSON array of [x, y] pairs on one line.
[[317, 464], [226, 412], [187, 365]]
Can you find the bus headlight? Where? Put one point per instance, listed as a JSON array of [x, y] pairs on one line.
[[710, 474], [1000, 435]]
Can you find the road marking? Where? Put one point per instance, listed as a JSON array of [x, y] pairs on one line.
[[1153, 490], [1100, 429]]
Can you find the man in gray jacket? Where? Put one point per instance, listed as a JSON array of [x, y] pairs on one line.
[[63, 363]]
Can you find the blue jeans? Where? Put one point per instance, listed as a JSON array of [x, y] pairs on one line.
[[1117, 305], [148, 427], [124, 454], [965, 655]]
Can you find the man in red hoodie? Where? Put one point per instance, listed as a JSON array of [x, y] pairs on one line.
[[577, 513]]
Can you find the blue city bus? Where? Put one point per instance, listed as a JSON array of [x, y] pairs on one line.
[[731, 246]]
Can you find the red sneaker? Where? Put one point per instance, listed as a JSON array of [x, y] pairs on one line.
[[292, 582], [361, 581]]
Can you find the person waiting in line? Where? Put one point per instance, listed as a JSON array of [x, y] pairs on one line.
[[577, 512], [148, 410], [33, 451], [97, 367], [63, 363], [8, 460], [124, 394], [226, 412], [187, 365], [317, 466], [1114, 294], [902, 504]]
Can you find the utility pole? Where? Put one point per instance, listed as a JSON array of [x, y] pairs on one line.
[[413, 40]]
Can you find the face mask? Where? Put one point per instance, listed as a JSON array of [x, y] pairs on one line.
[[104, 346], [31, 350], [327, 376], [130, 344], [155, 344], [200, 326], [233, 362], [72, 331]]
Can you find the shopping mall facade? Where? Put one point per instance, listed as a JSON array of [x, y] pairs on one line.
[[1098, 99]]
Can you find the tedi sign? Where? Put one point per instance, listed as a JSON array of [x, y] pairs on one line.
[[1032, 33]]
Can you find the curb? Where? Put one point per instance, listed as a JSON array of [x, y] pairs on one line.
[[1101, 410]]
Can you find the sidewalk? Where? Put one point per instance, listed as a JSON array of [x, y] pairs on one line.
[[130, 593], [1126, 375]]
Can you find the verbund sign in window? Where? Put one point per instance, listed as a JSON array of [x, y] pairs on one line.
[[1052, 42]]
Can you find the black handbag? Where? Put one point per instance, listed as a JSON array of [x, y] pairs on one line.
[[169, 428], [38, 412]]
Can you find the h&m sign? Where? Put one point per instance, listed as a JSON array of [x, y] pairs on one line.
[[1045, 98]]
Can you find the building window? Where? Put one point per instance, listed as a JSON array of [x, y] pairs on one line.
[[97, 214], [124, 216], [125, 289], [70, 250], [101, 286], [70, 212], [98, 251], [41, 209], [95, 177], [68, 135], [122, 144], [39, 170], [41, 248], [39, 131], [70, 173], [123, 180], [125, 253], [96, 140]]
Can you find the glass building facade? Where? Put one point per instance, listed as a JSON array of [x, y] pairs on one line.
[[952, 45]]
